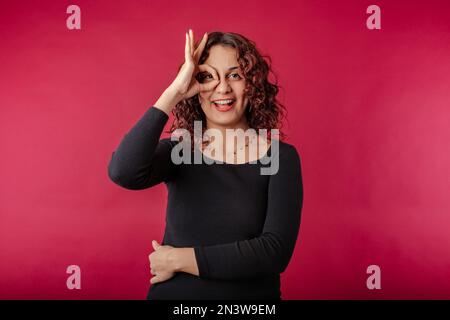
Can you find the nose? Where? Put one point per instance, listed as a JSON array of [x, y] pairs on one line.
[[223, 87]]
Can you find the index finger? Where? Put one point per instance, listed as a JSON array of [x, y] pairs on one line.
[[208, 68], [208, 85]]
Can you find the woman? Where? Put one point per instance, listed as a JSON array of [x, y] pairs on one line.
[[230, 230]]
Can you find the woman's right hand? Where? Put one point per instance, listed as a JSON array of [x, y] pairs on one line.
[[185, 84]]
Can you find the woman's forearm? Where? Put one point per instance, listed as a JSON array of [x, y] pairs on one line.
[[184, 260]]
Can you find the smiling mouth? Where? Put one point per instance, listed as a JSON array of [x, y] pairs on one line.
[[224, 104]]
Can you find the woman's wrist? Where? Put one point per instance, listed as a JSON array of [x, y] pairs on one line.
[[183, 260], [168, 100]]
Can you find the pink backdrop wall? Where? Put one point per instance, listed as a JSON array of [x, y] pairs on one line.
[[368, 111]]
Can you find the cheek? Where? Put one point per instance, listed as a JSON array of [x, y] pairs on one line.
[[239, 90]]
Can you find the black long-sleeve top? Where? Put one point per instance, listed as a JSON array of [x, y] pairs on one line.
[[242, 225]]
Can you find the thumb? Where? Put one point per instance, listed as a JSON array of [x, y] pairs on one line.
[[155, 244], [208, 86]]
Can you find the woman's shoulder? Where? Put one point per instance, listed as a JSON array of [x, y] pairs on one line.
[[285, 149]]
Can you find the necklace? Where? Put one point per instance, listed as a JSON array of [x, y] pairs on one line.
[[246, 145], [250, 139]]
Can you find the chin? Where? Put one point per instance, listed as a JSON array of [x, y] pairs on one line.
[[229, 119], [228, 124]]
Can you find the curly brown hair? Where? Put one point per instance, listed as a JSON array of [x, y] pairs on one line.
[[264, 111]]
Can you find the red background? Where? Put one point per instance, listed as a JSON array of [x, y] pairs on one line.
[[368, 111]]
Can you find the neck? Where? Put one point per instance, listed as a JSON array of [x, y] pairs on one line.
[[228, 140], [240, 125]]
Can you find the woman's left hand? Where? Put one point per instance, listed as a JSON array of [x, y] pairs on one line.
[[161, 262]]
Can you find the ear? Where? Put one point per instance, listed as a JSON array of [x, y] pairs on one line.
[[155, 244]]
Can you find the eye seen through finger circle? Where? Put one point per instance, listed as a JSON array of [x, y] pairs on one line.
[[206, 76]]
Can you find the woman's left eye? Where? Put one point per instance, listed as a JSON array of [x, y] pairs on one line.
[[235, 76]]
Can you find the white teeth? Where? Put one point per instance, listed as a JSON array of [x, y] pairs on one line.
[[223, 101]]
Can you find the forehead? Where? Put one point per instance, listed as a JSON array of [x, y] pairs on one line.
[[222, 57]]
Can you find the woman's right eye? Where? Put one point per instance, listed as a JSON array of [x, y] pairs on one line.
[[205, 76]]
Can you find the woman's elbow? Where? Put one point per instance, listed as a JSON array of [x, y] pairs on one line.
[[128, 180], [280, 259], [118, 177]]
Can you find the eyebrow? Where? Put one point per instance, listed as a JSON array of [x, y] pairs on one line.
[[229, 69], [232, 68]]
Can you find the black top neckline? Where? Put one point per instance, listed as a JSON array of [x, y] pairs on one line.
[[215, 161]]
